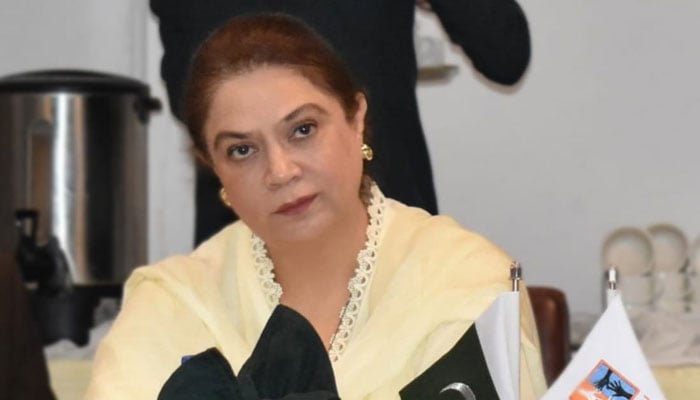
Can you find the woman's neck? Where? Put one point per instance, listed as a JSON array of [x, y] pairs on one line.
[[314, 275], [328, 260]]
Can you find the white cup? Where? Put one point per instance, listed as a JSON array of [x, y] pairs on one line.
[[671, 306], [671, 287], [694, 287], [636, 290], [694, 257], [694, 308], [636, 312]]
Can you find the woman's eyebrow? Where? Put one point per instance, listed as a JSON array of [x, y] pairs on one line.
[[302, 108], [223, 135]]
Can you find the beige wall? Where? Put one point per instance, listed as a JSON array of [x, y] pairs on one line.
[[604, 131]]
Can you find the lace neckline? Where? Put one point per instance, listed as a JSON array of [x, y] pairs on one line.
[[357, 286]]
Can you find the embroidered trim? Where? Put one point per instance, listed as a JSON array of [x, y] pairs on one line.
[[357, 286], [266, 273]]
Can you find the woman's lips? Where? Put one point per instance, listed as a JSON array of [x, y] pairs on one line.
[[297, 206]]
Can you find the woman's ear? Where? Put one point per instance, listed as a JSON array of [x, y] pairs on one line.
[[359, 119], [201, 157]]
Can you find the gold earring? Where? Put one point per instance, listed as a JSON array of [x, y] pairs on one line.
[[367, 152], [223, 198]]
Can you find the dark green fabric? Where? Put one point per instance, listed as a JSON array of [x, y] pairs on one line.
[[289, 362], [464, 363], [289, 357]]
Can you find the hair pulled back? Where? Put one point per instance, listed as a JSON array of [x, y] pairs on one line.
[[246, 43]]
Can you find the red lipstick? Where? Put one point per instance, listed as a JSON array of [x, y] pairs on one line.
[[296, 206]]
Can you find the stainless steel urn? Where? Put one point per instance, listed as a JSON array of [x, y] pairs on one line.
[[73, 165]]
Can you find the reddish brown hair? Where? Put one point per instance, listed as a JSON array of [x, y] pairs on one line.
[[249, 42]]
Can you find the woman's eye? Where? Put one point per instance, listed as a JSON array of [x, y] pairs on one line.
[[239, 152], [304, 130]]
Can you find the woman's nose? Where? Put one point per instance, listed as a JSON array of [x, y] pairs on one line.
[[281, 168]]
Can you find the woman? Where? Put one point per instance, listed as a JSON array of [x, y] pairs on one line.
[[387, 288], [375, 38]]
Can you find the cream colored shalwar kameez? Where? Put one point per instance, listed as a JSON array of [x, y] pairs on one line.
[[432, 279]]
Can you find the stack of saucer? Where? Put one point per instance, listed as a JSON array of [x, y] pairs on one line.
[[657, 270], [630, 251], [671, 281], [693, 272]]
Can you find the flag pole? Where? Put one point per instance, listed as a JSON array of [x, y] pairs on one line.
[[516, 275], [611, 280]]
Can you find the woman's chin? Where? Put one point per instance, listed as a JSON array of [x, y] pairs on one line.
[[298, 232]]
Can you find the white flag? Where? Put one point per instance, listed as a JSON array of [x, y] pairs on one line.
[[485, 362], [609, 365], [499, 333]]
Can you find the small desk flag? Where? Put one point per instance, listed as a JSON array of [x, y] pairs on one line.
[[609, 365], [483, 365]]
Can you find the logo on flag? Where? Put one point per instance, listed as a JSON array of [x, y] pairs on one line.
[[605, 383]]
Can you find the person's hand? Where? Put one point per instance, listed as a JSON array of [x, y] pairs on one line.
[[424, 5], [618, 390], [604, 381]]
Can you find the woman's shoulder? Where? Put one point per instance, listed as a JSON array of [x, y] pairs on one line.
[[438, 242], [203, 264], [422, 229]]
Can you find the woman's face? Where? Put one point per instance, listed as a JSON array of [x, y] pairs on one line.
[[286, 154]]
